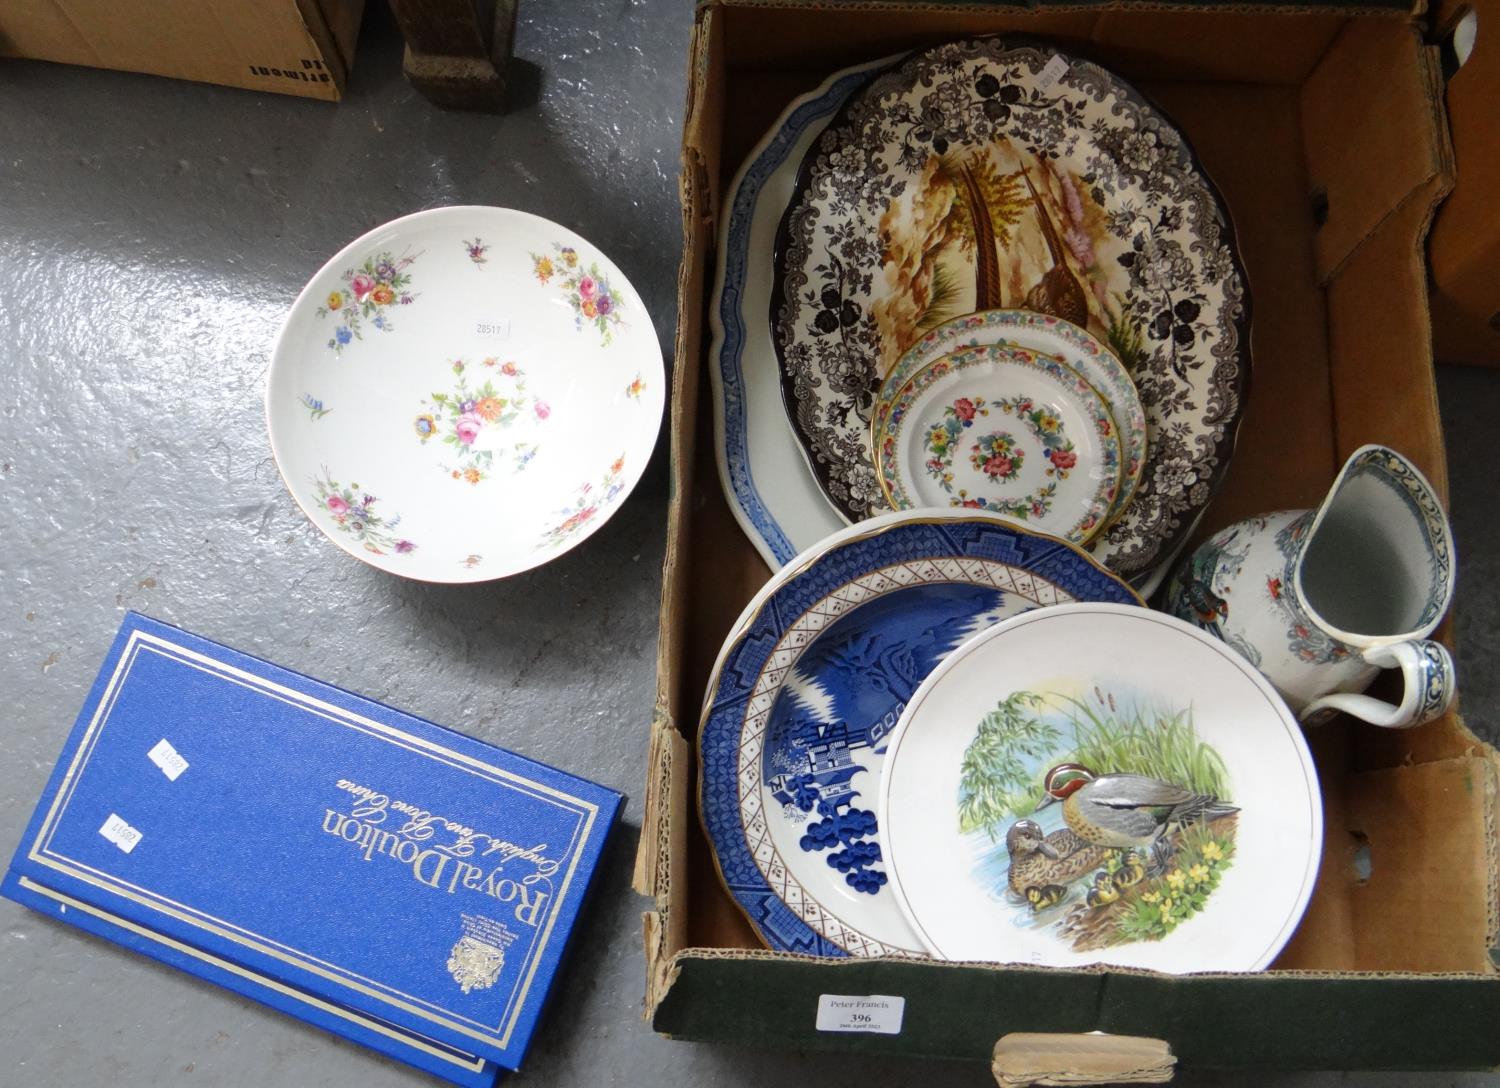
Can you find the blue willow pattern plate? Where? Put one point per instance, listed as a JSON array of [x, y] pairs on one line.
[[794, 733]]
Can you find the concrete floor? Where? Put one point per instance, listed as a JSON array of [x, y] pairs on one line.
[[152, 235]]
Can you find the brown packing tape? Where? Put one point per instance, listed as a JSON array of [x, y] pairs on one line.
[[1026, 1058]]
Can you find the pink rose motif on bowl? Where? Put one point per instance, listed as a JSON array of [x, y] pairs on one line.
[[468, 427], [587, 290], [460, 415], [367, 295]]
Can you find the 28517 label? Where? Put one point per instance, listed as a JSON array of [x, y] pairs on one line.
[[876, 1014]]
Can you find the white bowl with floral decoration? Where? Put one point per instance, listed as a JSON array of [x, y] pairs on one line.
[[464, 393]]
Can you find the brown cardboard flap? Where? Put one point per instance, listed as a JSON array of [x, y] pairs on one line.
[[1258, 45], [1426, 901], [1324, 940], [1216, 46], [1026, 1058], [1378, 323], [1370, 84], [1465, 244], [1466, 237], [290, 46], [661, 857], [666, 789]]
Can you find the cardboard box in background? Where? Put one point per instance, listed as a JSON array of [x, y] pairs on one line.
[[301, 47], [1464, 247], [1322, 126]]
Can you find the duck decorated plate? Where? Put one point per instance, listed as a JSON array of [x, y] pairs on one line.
[[803, 701], [1097, 784], [1002, 428], [1001, 173], [1053, 336], [464, 393]]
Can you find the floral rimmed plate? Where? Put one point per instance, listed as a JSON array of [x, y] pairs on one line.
[[464, 393], [1050, 336], [1004, 429], [804, 696], [1001, 173], [1096, 784]]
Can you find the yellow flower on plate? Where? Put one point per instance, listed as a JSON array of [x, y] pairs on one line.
[[1199, 873], [1212, 851], [1150, 897], [472, 475], [335, 300], [570, 257], [543, 268], [1166, 908], [1176, 879], [1049, 422]]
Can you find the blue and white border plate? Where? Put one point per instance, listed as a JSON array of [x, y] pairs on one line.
[[804, 697], [770, 489]]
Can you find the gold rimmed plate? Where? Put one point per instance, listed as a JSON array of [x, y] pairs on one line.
[[1004, 429]]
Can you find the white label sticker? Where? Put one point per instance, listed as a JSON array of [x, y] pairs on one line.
[[879, 1014], [168, 759], [120, 833], [1054, 70]]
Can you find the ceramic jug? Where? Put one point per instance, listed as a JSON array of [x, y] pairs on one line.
[[1321, 600]]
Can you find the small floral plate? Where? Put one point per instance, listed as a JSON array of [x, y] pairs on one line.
[[1005, 429], [464, 393], [1091, 783], [1051, 336]]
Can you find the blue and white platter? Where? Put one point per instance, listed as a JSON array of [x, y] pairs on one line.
[[815, 677], [771, 490]]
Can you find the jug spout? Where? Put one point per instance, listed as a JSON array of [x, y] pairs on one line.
[[1375, 564]]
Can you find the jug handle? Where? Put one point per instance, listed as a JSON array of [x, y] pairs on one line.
[[1427, 668]]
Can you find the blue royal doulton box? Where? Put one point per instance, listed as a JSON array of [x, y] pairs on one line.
[[372, 873]]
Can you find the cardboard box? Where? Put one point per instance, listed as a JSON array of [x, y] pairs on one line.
[[1323, 128], [301, 47], [1465, 245]]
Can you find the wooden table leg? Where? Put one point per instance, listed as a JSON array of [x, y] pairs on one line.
[[456, 50]]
